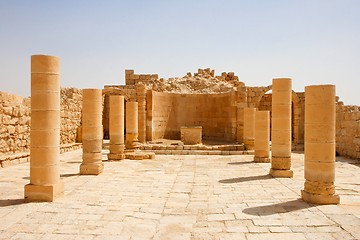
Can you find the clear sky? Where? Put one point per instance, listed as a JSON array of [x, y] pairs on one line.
[[311, 41]]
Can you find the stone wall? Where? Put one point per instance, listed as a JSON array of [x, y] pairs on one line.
[[15, 123], [348, 130], [71, 105], [132, 79], [216, 113]]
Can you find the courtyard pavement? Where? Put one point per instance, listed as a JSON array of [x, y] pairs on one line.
[[180, 197]]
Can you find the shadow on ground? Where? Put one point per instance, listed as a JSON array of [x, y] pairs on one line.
[[272, 209], [11, 202], [61, 175], [69, 175], [245, 179], [354, 162], [239, 163]]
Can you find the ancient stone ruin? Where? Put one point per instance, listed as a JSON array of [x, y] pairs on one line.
[[197, 114]]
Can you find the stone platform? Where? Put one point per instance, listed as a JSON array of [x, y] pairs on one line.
[[180, 197], [176, 147]]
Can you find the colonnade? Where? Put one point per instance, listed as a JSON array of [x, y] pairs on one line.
[[46, 185]]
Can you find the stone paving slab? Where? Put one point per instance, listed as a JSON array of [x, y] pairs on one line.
[[180, 197]]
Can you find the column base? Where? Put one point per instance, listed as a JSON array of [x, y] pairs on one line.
[[139, 155], [261, 159], [277, 173], [91, 169], [249, 144], [116, 156], [281, 163], [40, 193], [319, 199]]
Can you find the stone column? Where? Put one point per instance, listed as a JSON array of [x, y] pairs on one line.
[[141, 99], [281, 128], [249, 128], [131, 125], [320, 110], [241, 103], [45, 184], [106, 116], [92, 132], [262, 136], [117, 146]]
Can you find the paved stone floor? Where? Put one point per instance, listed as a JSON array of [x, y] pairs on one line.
[[180, 197]]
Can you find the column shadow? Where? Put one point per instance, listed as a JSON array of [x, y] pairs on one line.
[[240, 163], [69, 175], [61, 175], [245, 179], [11, 202], [284, 207]]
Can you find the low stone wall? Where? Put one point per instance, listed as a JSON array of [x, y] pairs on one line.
[[15, 121], [348, 130]]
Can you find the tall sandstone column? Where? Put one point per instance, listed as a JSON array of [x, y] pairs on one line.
[[281, 128], [116, 132], [45, 183], [249, 128], [141, 98], [131, 125], [92, 132], [262, 136], [320, 113], [241, 104]]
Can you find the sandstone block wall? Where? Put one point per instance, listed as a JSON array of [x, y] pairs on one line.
[[216, 113], [348, 130], [131, 78], [70, 113], [15, 123]]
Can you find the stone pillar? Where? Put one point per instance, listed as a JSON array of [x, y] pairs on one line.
[[320, 113], [106, 116], [262, 137], [141, 99], [131, 125], [116, 132], [92, 132], [45, 184], [281, 128], [241, 103], [249, 128]]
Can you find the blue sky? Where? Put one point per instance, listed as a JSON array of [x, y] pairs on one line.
[[311, 41]]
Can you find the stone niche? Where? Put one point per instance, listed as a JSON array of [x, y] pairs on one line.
[[191, 135], [215, 113]]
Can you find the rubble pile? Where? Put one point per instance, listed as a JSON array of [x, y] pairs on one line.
[[203, 82]]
